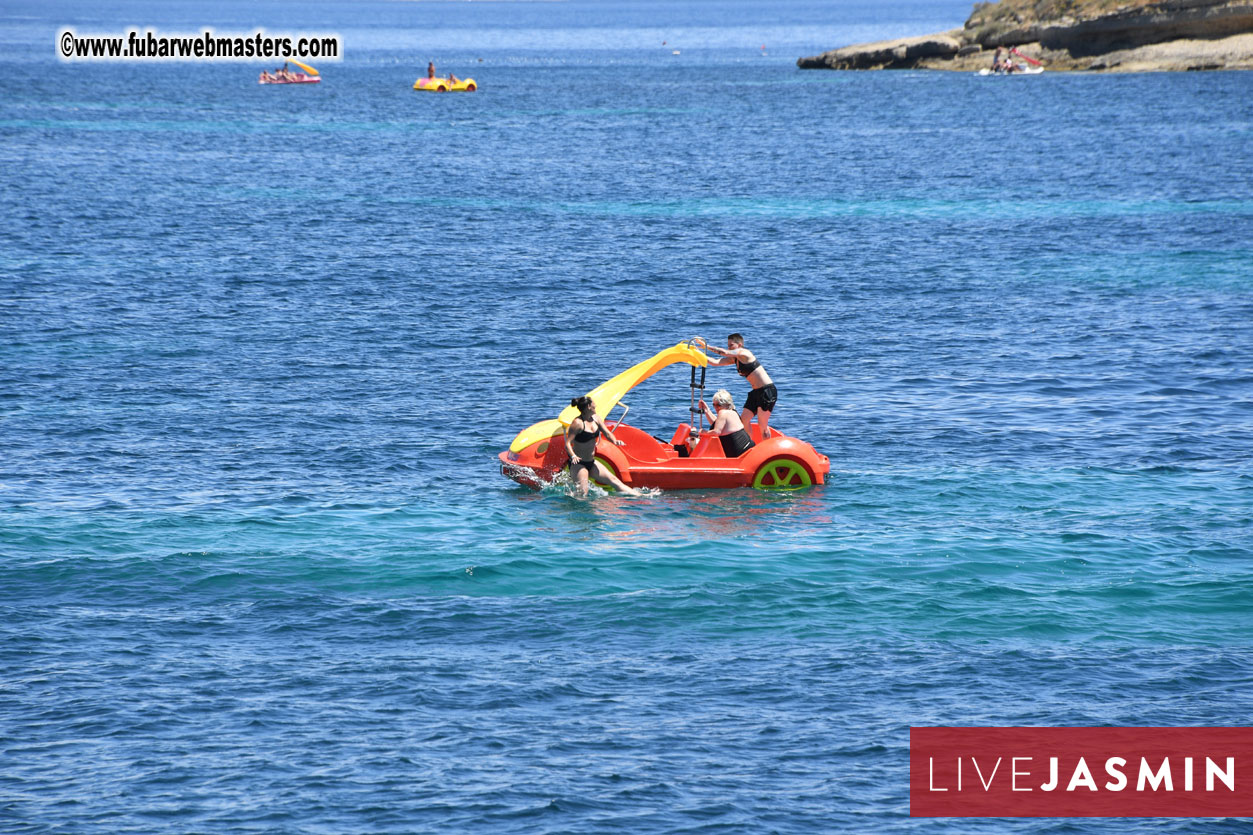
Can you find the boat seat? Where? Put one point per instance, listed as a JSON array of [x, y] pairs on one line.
[[679, 442], [681, 434], [640, 446], [709, 446]]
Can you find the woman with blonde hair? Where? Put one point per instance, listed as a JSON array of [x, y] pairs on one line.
[[728, 425]]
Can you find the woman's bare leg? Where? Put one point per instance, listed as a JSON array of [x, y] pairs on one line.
[[581, 479], [763, 420], [603, 474]]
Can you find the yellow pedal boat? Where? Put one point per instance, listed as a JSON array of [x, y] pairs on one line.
[[443, 85]]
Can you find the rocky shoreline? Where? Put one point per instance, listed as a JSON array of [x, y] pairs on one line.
[[1088, 35]]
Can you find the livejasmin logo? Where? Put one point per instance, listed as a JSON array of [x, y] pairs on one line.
[[1081, 772], [1081, 777]]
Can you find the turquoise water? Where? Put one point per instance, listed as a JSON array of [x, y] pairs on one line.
[[260, 346]]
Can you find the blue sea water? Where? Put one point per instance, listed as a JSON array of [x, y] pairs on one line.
[[259, 346]]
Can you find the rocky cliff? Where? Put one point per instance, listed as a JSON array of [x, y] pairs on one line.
[[1126, 35]]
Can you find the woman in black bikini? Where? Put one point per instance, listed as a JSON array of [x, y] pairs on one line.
[[764, 395], [581, 437], [727, 425]]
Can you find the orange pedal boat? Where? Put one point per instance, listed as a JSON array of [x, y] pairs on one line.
[[692, 460]]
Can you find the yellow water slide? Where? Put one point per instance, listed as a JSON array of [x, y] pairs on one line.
[[608, 393]]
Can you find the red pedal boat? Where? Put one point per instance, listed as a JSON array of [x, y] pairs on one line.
[[693, 459]]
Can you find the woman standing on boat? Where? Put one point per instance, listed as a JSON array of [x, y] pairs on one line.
[[581, 437], [764, 395]]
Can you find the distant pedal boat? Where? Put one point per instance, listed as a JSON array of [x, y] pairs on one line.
[[295, 78], [286, 76], [1026, 71], [443, 85]]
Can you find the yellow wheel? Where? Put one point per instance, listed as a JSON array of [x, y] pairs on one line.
[[782, 474]]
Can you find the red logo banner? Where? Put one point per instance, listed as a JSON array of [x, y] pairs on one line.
[[1080, 772]]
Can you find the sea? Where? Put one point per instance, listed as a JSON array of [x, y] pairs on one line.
[[261, 345]]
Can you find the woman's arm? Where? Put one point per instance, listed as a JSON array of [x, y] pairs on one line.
[[569, 446], [709, 415], [716, 424], [721, 352]]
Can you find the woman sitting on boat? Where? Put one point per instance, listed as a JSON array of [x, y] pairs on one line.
[[727, 425], [581, 437]]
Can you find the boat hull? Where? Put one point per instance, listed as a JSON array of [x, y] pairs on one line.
[[307, 80], [779, 462], [1029, 71]]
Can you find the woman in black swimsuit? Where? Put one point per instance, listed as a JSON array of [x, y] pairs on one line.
[[764, 395], [728, 426], [582, 435]]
